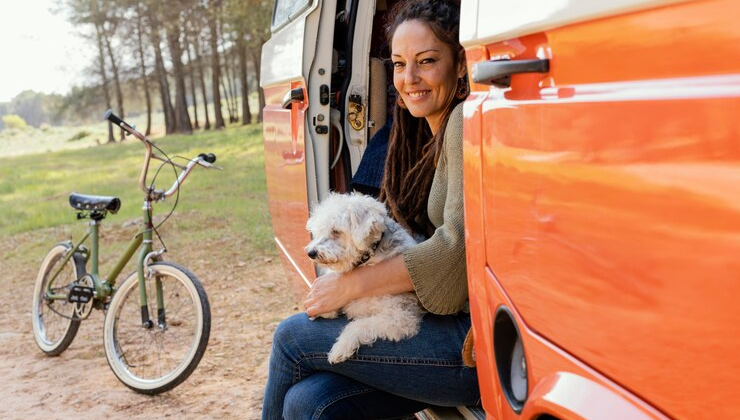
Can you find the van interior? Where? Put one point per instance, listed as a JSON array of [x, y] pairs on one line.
[[380, 98]]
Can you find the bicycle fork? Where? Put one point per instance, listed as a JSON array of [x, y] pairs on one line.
[[144, 272]]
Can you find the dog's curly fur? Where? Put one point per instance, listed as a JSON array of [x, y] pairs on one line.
[[350, 230]]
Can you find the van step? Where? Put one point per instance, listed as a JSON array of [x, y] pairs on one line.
[[452, 413]]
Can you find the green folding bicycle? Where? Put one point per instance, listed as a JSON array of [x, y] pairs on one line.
[[157, 321]]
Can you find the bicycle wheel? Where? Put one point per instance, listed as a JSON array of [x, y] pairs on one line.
[[156, 359], [54, 322]]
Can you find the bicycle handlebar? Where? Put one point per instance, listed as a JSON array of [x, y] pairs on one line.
[[204, 159], [110, 116]]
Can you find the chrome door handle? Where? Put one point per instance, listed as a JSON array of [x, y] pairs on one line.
[[498, 72], [293, 95]]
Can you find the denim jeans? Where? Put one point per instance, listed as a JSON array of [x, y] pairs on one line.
[[386, 380]]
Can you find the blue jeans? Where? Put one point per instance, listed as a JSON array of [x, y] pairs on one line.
[[384, 381]]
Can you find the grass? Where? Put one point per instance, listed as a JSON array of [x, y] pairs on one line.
[[34, 188]]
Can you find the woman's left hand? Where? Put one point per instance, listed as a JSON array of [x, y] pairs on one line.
[[328, 293]]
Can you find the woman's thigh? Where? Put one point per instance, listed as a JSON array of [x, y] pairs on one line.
[[329, 396], [427, 367]]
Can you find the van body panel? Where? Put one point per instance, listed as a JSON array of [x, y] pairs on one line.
[[610, 196], [285, 173], [489, 21]]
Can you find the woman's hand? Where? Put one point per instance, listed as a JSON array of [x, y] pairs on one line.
[[329, 292], [333, 291]]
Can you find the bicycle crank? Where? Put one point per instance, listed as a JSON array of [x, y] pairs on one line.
[[82, 294]]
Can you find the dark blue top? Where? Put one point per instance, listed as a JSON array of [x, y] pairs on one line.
[[369, 174]]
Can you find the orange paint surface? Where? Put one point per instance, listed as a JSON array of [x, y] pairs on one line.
[[603, 207]]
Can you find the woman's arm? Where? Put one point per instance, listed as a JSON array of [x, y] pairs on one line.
[[333, 291], [434, 269]]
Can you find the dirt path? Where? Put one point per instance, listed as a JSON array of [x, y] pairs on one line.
[[248, 295]]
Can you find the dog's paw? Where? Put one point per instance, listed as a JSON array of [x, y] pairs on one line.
[[342, 350], [327, 315], [330, 315]]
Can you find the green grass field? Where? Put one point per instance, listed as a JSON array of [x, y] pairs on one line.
[[34, 188]]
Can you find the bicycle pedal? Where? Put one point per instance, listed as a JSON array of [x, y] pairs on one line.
[[81, 294]]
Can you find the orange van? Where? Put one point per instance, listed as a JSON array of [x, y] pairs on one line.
[[602, 191]]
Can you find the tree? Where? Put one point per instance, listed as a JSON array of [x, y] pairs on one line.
[[182, 118], [12, 121], [215, 65], [106, 34], [160, 70], [140, 16]]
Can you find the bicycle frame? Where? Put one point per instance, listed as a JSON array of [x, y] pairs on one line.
[[142, 241]]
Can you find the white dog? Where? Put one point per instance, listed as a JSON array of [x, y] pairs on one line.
[[353, 230]]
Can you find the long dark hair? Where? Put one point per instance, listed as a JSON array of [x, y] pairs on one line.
[[412, 149]]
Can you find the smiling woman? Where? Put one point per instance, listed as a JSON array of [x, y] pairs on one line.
[[42, 51]]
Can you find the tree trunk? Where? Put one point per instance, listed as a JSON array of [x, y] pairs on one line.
[[256, 54], [241, 48], [182, 117], [234, 87], [191, 73], [228, 69], [116, 83], [101, 68], [227, 99], [164, 85], [215, 69], [142, 65], [202, 77]]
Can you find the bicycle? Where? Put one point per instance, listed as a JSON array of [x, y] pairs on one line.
[[148, 355]]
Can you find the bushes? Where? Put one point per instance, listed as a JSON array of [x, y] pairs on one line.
[[14, 121], [79, 135]]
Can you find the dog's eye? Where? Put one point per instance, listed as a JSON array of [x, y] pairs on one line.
[[335, 233]]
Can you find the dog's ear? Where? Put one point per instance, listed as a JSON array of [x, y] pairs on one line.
[[367, 226]]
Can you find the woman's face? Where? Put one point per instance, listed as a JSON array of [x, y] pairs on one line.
[[424, 71]]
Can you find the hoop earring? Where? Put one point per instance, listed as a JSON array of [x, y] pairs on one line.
[[400, 102], [462, 88]]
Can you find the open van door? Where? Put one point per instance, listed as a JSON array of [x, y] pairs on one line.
[[301, 117], [295, 26]]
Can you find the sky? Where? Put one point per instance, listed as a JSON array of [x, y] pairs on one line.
[[39, 51]]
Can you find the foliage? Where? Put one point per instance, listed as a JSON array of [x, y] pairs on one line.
[[35, 108], [79, 135], [175, 45], [14, 121]]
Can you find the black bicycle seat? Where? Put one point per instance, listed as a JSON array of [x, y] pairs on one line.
[[94, 202]]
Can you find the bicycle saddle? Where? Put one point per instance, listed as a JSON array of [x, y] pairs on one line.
[[94, 202]]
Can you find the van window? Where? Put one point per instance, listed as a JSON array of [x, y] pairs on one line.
[[285, 9]]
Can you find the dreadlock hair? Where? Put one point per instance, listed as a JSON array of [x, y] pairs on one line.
[[413, 151]]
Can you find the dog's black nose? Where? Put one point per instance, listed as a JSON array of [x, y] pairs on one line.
[[312, 254]]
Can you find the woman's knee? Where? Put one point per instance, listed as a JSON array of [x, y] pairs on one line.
[[290, 328], [306, 400], [325, 396]]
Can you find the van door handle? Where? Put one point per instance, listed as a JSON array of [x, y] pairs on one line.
[[498, 72], [293, 95]]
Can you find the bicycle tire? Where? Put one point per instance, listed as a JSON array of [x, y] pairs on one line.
[[132, 349], [54, 323]]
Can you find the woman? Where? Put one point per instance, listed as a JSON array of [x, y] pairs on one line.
[[422, 187]]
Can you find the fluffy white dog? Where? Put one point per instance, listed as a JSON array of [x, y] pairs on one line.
[[349, 231]]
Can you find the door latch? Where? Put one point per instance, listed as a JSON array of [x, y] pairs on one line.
[[356, 114]]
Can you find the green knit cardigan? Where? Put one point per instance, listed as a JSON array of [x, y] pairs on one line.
[[437, 265]]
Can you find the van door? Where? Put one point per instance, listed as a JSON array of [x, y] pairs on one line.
[[297, 28], [610, 169]]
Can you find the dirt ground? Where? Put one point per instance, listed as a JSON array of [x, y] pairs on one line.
[[248, 293]]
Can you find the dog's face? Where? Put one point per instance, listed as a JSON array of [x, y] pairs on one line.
[[344, 228]]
